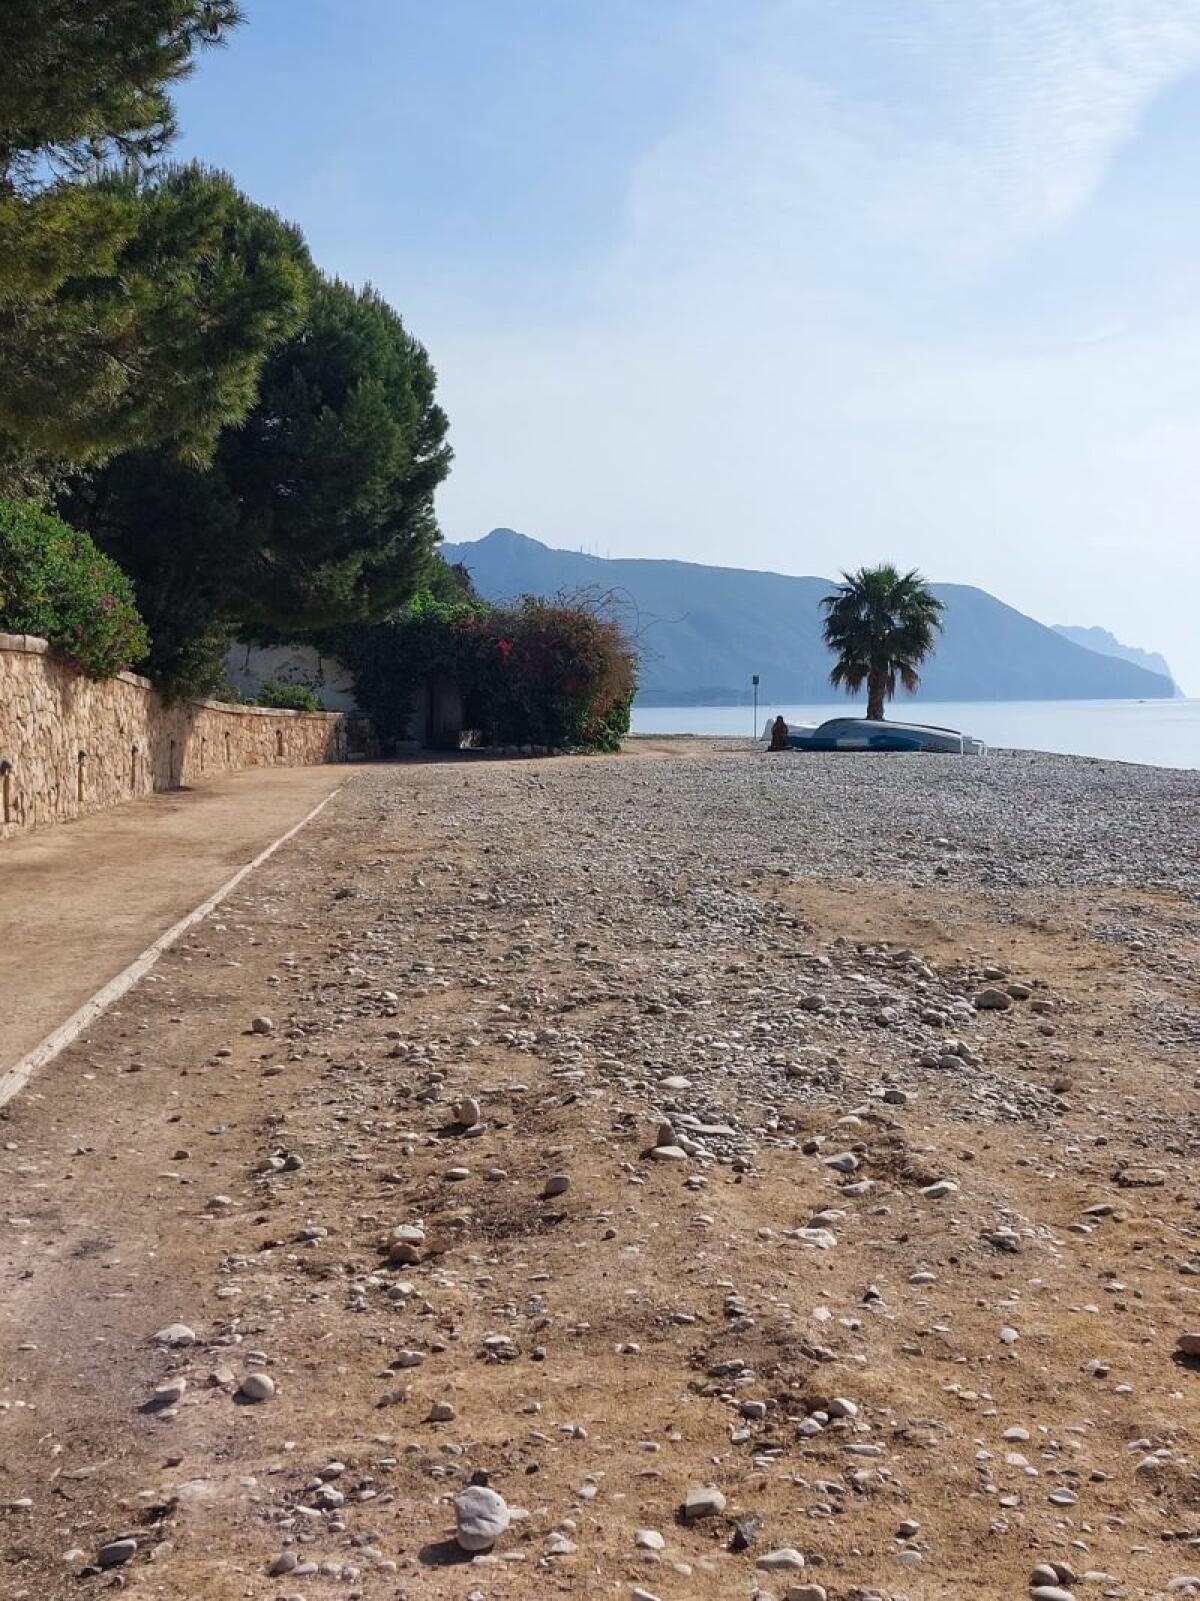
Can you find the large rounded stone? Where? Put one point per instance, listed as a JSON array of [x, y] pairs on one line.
[[481, 1517], [257, 1387], [993, 1000]]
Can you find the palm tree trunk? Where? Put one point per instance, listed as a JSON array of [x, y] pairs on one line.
[[875, 696]]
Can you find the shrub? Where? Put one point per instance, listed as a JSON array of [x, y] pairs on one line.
[[55, 583], [554, 673], [613, 726], [288, 697], [558, 673]]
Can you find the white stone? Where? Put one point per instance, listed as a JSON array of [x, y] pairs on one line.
[[785, 1560], [935, 1191], [702, 1501], [175, 1334], [257, 1387], [481, 1516]]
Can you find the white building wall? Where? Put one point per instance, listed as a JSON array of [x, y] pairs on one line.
[[251, 666]]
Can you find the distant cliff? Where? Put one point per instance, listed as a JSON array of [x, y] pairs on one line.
[[1099, 639], [705, 630]]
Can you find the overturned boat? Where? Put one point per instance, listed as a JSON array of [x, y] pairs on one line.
[[865, 733]]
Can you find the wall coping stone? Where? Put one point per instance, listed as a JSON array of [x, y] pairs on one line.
[[31, 645], [24, 644]]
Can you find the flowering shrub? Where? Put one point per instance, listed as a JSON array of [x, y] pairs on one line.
[[559, 673], [55, 583], [551, 673]]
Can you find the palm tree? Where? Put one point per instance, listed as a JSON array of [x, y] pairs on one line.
[[881, 624]]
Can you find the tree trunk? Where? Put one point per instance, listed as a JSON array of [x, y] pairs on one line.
[[875, 696]]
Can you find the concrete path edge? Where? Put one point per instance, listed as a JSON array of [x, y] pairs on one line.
[[14, 1079]]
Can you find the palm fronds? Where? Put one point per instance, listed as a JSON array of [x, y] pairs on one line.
[[881, 624]]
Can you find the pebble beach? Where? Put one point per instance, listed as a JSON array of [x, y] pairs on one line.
[[693, 1173]]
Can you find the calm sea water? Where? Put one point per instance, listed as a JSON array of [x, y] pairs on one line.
[[1164, 733]]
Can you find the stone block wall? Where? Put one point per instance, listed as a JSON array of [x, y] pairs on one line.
[[70, 746]]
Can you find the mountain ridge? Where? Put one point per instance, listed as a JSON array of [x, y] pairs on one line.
[[706, 629], [1107, 644]]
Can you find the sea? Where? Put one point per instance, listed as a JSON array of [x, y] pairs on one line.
[[1159, 733]]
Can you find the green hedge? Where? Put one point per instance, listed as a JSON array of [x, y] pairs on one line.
[[288, 697], [55, 583]]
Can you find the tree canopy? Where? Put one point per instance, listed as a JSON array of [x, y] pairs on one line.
[[881, 624], [256, 446], [317, 510], [136, 306], [134, 315], [86, 81]]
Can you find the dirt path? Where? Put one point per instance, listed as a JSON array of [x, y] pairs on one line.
[[81, 901], [922, 1396]]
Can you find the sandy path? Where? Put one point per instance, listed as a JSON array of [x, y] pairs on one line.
[[82, 900]]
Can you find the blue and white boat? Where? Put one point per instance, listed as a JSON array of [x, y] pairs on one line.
[[865, 733]]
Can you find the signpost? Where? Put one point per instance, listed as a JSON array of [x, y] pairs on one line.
[[754, 681]]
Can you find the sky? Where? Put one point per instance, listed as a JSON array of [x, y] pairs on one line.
[[785, 284]]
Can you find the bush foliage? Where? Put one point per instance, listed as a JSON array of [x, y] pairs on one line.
[[56, 584], [551, 673], [288, 697], [555, 673]]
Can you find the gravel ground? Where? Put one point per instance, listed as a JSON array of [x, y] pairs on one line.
[[774, 1175], [1012, 818]]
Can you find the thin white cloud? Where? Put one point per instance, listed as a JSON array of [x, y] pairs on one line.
[[1002, 118]]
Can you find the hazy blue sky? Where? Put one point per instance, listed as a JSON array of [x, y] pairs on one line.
[[778, 283]]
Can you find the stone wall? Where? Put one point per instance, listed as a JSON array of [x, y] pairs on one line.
[[70, 746]]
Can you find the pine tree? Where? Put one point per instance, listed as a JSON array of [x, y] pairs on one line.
[[317, 510], [144, 314], [83, 82], [136, 305]]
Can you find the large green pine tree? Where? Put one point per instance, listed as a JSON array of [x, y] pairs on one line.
[[154, 327], [136, 306], [317, 510], [84, 81]]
